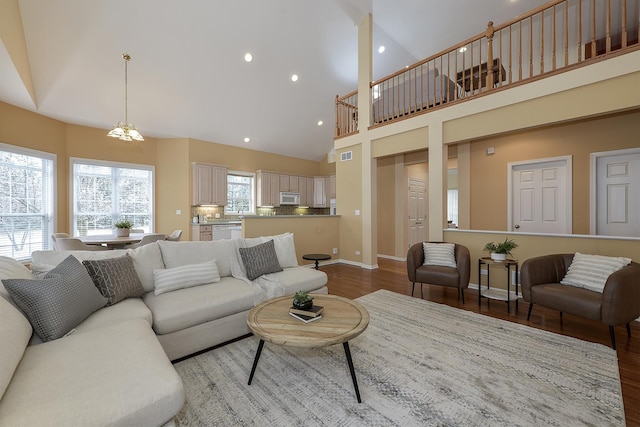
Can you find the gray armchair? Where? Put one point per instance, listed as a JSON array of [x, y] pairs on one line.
[[439, 275], [618, 304]]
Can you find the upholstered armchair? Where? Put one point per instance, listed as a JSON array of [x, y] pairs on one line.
[[457, 277], [618, 304]]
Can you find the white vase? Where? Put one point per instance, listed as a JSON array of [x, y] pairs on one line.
[[123, 232], [498, 257]]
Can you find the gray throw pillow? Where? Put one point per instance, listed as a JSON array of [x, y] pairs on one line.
[[115, 278], [60, 301], [260, 259]]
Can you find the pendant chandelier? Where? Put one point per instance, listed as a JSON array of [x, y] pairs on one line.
[[124, 130]]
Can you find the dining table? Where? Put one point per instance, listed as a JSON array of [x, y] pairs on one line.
[[112, 241]]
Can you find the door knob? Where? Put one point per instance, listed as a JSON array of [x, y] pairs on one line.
[[517, 226]]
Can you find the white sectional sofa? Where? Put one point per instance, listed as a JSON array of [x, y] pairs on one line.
[[113, 368]]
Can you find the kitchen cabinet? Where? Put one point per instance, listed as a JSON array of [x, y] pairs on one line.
[[309, 191], [302, 189], [319, 195], [284, 183], [209, 184], [293, 184], [268, 184], [201, 233]]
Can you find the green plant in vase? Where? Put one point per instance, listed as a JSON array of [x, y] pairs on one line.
[[123, 227], [302, 300], [499, 251]]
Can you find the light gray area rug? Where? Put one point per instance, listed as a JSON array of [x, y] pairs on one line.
[[418, 364]]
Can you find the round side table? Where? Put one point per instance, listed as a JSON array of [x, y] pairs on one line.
[[317, 258]]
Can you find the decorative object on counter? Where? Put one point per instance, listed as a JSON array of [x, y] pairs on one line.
[[499, 251], [302, 300], [123, 227]]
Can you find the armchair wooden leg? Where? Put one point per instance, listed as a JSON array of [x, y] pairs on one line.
[[422, 290], [529, 313], [412, 288], [628, 330], [613, 337], [462, 293]]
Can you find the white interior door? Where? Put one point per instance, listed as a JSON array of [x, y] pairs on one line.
[[617, 193], [417, 207], [540, 196]]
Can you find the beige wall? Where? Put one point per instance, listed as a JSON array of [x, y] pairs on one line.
[[349, 198], [578, 139], [171, 158], [311, 234], [530, 246]]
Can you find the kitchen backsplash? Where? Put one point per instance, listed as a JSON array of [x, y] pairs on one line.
[[211, 211]]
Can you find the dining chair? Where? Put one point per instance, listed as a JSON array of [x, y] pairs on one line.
[[55, 236], [175, 236], [73, 244], [149, 238]]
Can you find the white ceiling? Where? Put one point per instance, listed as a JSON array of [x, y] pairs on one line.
[[187, 75]]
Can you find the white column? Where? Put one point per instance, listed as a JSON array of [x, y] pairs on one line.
[[437, 183]]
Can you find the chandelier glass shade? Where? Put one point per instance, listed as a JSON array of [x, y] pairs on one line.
[[124, 130]]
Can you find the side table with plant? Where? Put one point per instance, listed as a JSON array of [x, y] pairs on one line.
[[499, 251], [123, 228]]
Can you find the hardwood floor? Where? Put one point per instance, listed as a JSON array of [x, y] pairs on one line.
[[353, 282]]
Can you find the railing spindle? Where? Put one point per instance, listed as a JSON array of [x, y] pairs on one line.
[[624, 24], [542, 42], [566, 33], [579, 30], [593, 30], [553, 40]]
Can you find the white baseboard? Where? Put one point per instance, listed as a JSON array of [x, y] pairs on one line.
[[395, 258]]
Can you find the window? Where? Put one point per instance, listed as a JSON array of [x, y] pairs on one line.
[[240, 191], [26, 201], [105, 192]]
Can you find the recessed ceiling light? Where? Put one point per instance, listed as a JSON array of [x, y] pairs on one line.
[[248, 57], [247, 139], [294, 77], [462, 49], [320, 122], [381, 49]]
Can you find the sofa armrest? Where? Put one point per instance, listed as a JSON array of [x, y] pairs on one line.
[[415, 258], [541, 270], [621, 296], [463, 260]]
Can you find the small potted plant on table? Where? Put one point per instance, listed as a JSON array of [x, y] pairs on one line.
[[499, 251], [302, 300], [123, 228]]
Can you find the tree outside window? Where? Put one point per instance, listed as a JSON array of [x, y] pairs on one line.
[[240, 193], [104, 193], [26, 201]]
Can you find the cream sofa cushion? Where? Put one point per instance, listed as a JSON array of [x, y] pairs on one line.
[[177, 254], [15, 331], [11, 269], [146, 258], [285, 249], [115, 375], [184, 308]]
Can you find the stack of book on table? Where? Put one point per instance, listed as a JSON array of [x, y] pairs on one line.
[[308, 315]]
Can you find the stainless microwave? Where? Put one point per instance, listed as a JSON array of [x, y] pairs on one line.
[[287, 198]]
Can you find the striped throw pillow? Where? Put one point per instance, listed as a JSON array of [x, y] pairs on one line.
[[186, 276], [439, 254], [591, 271]]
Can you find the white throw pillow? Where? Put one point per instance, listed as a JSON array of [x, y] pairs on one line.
[[285, 249], [439, 254], [186, 276], [591, 271]]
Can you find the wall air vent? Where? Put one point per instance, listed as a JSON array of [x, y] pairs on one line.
[[347, 155]]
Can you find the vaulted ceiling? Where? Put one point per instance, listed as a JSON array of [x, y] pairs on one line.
[[188, 77]]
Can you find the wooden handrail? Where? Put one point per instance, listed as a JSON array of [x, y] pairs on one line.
[[550, 38]]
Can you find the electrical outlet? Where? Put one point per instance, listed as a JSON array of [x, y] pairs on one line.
[[357, 252], [178, 212], [484, 272], [335, 251]]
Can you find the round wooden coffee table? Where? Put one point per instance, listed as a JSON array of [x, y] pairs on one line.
[[342, 320]]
